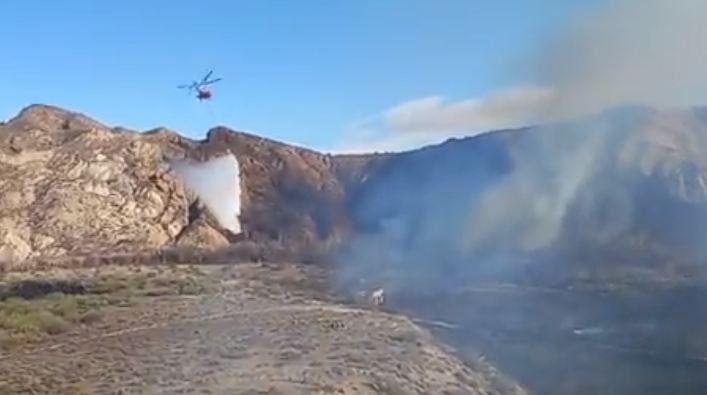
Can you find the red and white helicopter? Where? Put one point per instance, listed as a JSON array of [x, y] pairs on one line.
[[201, 87]]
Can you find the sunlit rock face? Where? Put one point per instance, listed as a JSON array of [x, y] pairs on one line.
[[72, 186], [623, 183], [289, 194], [217, 183]]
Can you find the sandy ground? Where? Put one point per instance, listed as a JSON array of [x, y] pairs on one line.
[[268, 329]]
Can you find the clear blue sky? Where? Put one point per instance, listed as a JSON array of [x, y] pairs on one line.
[[301, 71]]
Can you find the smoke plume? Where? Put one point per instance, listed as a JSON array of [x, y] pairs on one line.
[[625, 52], [628, 52], [572, 186], [593, 198]]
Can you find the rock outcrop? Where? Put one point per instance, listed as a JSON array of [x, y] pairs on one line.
[[73, 186], [630, 184], [290, 194]]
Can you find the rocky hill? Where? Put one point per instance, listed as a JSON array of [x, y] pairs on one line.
[[618, 195], [609, 212], [289, 194], [623, 191], [71, 185]]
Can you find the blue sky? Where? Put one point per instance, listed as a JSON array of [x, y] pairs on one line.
[[302, 71]]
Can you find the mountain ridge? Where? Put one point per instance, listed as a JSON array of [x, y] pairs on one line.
[[289, 194], [566, 189]]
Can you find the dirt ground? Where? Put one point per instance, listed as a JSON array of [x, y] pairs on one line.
[[264, 329]]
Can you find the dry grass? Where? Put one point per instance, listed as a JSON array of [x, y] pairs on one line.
[[158, 281], [243, 251], [23, 321], [40, 314]]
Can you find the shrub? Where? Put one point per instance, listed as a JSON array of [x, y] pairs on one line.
[[50, 323], [190, 286]]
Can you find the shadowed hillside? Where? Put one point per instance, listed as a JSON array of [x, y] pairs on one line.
[[537, 244], [622, 192]]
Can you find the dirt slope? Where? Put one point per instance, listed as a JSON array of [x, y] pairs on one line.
[[266, 331]]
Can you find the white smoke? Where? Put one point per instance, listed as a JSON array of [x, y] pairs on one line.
[[625, 52], [217, 183], [527, 209], [647, 52]]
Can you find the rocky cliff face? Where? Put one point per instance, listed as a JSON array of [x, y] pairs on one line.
[[70, 185], [289, 194], [627, 185]]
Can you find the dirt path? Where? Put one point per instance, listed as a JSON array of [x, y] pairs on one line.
[[263, 333]]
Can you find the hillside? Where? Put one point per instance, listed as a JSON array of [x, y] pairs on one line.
[[537, 244], [269, 329], [73, 186], [620, 193]]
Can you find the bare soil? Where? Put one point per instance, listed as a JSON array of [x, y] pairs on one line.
[[264, 329]]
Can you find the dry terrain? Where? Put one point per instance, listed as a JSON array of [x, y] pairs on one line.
[[250, 329]]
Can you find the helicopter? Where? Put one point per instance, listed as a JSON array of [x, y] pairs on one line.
[[201, 87]]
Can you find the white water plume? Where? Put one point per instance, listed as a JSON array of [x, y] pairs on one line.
[[217, 183]]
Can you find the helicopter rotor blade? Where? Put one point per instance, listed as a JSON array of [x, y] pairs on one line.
[[206, 78], [212, 81], [193, 85]]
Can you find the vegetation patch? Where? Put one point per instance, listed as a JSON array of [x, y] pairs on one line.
[[38, 305], [28, 320]]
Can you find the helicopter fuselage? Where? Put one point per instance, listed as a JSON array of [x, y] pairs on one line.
[[202, 93]]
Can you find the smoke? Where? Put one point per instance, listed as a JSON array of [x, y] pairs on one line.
[[620, 53], [591, 198], [624, 52], [528, 207], [555, 198], [628, 52], [217, 183]]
